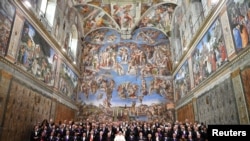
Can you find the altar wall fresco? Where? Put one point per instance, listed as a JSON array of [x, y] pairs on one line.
[[130, 77], [126, 74], [105, 32]]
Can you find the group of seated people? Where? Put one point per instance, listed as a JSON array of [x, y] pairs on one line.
[[118, 131]]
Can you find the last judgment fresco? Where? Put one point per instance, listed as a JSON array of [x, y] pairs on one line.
[[125, 79]]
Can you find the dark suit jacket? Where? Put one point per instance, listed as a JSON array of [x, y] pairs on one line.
[[69, 139], [34, 135], [49, 138]]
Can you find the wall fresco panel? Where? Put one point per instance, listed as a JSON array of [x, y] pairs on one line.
[[7, 14]]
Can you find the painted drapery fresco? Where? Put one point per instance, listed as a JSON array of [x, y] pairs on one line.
[[36, 56], [210, 53], [7, 12], [239, 18], [127, 78]]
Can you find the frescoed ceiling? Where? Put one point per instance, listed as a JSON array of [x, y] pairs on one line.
[[126, 59]]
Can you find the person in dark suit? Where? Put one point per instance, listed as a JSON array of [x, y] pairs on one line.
[[157, 137], [35, 134], [174, 137], [109, 137], [83, 137], [131, 137], [141, 137], [76, 137], [67, 137], [51, 137], [149, 137], [91, 136], [58, 137], [100, 136]]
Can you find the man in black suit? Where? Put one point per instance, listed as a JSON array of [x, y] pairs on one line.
[[68, 137], [35, 134]]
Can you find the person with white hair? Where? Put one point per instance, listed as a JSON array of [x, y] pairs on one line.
[[119, 136]]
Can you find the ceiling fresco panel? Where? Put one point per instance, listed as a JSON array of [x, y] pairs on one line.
[[94, 17], [159, 16], [125, 14]]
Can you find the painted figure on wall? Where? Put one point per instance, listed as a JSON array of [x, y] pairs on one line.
[[7, 12], [94, 18], [124, 15], [182, 82], [36, 56], [125, 72], [210, 54], [160, 17], [67, 81], [238, 14]]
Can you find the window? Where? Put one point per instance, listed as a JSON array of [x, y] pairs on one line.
[[47, 10], [73, 39]]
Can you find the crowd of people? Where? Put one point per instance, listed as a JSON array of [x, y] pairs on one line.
[[88, 130]]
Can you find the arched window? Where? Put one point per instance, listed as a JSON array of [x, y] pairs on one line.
[[73, 39], [47, 10]]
